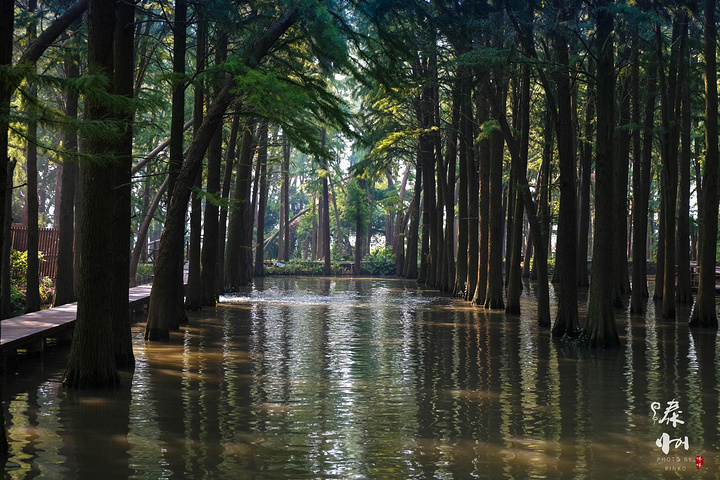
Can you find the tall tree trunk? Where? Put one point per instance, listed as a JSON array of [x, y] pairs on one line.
[[284, 241], [64, 292], [240, 216], [704, 314], [566, 321], [461, 273], [600, 329], [222, 223], [514, 282], [621, 285], [586, 157], [91, 362], [209, 255], [410, 269], [262, 198], [683, 293], [451, 150], [123, 85], [32, 295], [326, 210], [7, 27], [473, 212], [494, 292], [193, 296], [641, 195], [671, 102], [484, 154], [176, 149]]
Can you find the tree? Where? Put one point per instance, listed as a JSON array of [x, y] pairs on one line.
[[704, 314], [600, 330], [92, 360]]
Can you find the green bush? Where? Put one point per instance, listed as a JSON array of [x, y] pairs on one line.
[[144, 270], [302, 267], [381, 262], [17, 299]]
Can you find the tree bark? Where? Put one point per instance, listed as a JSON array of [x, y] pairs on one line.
[[262, 200], [222, 223], [494, 292], [92, 361], [600, 330], [683, 292], [32, 294], [326, 210], [284, 242], [704, 314], [586, 152], [240, 217], [410, 269], [64, 292], [194, 291], [641, 194], [123, 84]]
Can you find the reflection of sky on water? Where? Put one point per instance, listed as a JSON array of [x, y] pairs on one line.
[[348, 378]]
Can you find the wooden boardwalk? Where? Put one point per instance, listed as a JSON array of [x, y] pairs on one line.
[[29, 331]]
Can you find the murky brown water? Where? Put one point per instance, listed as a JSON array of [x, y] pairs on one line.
[[343, 378]]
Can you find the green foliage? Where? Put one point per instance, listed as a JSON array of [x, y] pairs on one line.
[[18, 282], [301, 267], [381, 261], [17, 299], [144, 270], [18, 265], [357, 210]]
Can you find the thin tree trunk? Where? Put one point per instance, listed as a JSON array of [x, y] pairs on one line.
[[326, 210], [586, 152], [410, 269], [209, 255], [641, 192], [683, 293], [194, 291], [484, 153], [262, 199], [64, 292], [284, 242], [32, 294], [494, 292], [222, 223], [141, 242]]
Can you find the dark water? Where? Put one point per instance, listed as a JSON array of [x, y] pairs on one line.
[[343, 378]]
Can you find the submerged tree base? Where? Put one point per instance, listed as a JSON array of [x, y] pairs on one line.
[[154, 334]]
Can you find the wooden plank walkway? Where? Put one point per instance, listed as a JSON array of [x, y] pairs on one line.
[[30, 330]]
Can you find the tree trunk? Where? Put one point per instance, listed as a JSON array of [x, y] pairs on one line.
[[410, 268], [326, 210], [262, 199], [194, 291], [91, 362], [683, 293], [484, 154], [123, 84], [473, 213], [621, 285], [32, 294], [164, 311], [514, 282], [641, 195], [704, 314], [240, 217], [461, 272], [64, 292], [222, 223], [586, 152], [7, 25], [140, 244], [494, 292], [566, 321], [600, 329], [284, 241], [177, 290], [209, 255]]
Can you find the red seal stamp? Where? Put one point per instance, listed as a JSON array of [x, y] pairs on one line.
[[699, 462]]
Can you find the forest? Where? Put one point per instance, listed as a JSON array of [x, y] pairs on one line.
[[470, 145]]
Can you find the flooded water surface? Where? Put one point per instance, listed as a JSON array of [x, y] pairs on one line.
[[370, 378]]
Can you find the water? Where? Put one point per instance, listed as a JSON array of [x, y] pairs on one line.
[[343, 378]]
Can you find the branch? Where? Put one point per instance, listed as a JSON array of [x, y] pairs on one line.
[[50, 34]]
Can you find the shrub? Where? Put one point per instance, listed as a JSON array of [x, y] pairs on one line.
[[381, 262]]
